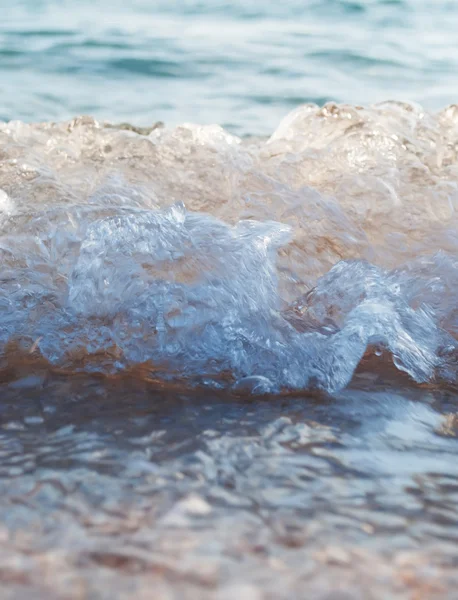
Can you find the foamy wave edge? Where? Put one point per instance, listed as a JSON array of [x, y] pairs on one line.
[[189, 256]]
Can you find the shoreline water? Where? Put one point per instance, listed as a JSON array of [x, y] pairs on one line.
[[205, 257], [288, 251], [114, 489], [228, 354]]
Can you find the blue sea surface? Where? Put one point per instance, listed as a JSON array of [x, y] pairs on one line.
[[241, 64]]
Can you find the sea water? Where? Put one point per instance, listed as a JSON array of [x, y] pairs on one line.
[[228, 341], [240, 64]]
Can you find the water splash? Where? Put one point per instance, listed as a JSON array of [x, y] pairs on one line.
[[263, 265]]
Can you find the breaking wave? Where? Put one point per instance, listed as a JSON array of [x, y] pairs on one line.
[[190, 256]]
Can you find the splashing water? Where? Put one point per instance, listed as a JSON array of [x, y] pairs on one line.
[[263, 265], [142, 267]]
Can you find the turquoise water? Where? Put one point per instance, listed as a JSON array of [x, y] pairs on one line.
[[241, 64]]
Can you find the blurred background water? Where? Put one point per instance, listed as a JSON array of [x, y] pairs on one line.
[[242, 63]]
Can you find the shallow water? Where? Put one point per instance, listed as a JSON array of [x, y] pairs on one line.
[[116, 490], [228, 365]]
